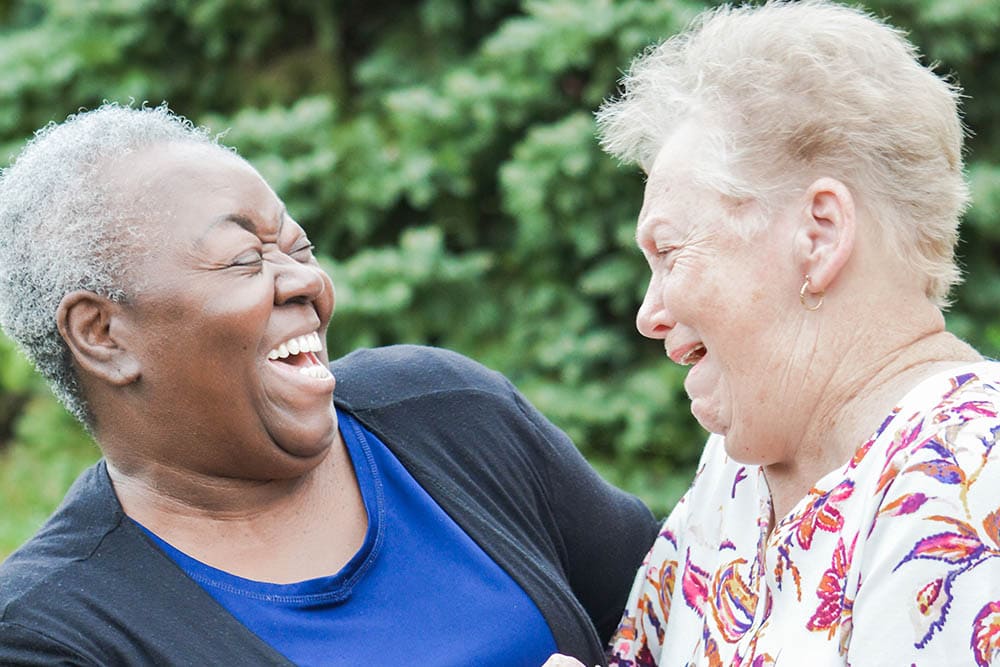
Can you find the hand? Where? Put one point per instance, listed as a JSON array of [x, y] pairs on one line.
[[560, 660]]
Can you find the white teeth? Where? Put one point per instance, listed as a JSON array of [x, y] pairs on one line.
[[693, 355], [318, 372], [310, 342]]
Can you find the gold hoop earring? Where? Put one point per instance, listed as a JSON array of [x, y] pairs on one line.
[[803, 293]]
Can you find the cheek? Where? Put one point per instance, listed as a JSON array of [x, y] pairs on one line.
[[678, 292], [695, 300], [241, 331], [239, 308], [758, 409], [328, 301], [226, 333]]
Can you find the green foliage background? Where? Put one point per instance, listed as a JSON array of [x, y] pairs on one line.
[[441, 154]]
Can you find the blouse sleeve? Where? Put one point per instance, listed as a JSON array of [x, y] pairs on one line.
[[639, 639], [930, 569]]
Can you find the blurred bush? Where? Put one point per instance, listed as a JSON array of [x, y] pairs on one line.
[[441, 154]]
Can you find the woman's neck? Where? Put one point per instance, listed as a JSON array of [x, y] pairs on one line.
[[278, 531], [855, 400]]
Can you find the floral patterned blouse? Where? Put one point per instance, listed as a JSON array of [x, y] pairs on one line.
[[893, 559]]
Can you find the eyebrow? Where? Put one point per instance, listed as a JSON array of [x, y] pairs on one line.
[[644, 230], [243, 222]]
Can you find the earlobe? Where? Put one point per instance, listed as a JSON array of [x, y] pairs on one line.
[[88, 323], [825, 238]]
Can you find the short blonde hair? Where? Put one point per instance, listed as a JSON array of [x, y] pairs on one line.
[[792, 91]]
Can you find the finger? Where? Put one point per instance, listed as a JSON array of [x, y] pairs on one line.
[[560, 660]]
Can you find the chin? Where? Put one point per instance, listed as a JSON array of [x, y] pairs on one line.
[[311, 444], [306, 439], [738, 453], [744, 450], [710, 418]]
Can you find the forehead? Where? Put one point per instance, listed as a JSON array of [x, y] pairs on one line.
[[672, 196], [187, 186], [165, 163]]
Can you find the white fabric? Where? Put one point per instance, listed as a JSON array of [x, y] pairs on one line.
[[893, 559]]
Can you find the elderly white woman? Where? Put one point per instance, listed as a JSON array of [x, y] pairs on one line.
[[800, 217], [426, 515]]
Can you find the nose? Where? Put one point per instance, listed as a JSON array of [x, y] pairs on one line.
[[653, 319], [298, 282]]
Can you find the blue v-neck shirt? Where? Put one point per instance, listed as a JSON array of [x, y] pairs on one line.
[[419, 591]]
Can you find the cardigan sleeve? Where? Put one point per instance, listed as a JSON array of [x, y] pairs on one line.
[[24, 647], [510, 478], [605, 532]]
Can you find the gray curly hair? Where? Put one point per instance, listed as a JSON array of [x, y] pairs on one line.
[[65, 228], [790, 91]]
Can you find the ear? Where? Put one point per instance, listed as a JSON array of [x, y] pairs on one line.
[[825, 238], [89, 323]]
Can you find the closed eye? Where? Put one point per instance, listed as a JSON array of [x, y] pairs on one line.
[[303, 252], [249, 259], [665, 254]]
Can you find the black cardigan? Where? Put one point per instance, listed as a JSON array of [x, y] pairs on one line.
[[91, 589]]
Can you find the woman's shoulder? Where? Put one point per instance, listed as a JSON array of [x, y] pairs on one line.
[[947, 413], [933, 518], [942, 431], [948, 389], [418, 359], [377, 376]]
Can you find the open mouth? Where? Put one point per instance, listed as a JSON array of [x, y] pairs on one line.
[[300, 353], [694, 355]]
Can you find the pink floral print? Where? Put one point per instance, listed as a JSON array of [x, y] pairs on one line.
[[893, 559]]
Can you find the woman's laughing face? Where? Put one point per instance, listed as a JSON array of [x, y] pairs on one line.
[[229, 319], [718, 300]]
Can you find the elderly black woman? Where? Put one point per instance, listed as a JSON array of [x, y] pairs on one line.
[[245, 511], [804, 191]]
